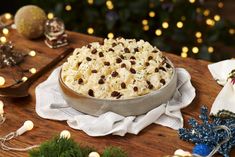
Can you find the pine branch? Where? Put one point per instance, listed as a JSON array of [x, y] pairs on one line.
[[62, 147]]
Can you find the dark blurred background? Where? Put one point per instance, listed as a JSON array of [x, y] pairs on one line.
[[191, 28]]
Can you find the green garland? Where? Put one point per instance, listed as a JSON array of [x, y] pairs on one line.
[[63, 147]]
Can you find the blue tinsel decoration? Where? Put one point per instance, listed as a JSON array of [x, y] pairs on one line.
[[205, 133]]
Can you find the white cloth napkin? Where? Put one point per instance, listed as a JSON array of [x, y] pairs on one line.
[[225, 101], [51, 105]]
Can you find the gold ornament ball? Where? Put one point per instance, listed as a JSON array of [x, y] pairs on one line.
[[29, 21]]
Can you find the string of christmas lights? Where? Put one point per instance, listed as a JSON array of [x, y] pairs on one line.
[[154, 23], [190, 28], [4, 34]]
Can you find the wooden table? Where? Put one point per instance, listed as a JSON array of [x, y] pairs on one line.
[[153, 141]]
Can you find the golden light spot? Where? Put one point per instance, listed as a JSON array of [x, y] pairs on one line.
[[146, 27], [198, 10], [5, 31], [50, 15], [3, 39], [144, 22], [32, 53], [199, 40], [192, 1], [2, 81], [210, 22], [24, 78], [90, 2], [210, 49], [109, 4], [195, 50], [220, 4], [183, 18], [110, 35], [151, 14], [198, 34], [165, 25], [216, 17], [231, 31], [179, 24], [206, 12], [33, 70], [68, 8], [184, 55], [8, 16], [158, 32], [185, 49], [90, 30]]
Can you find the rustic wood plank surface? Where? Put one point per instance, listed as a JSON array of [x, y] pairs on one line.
[[153, 141]]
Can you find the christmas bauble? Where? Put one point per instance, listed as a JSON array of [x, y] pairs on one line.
[[29, 21], [201, 149]]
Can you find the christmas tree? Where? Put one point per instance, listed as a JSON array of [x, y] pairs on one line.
[[184, 27]]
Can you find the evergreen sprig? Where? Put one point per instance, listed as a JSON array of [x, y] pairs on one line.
[[114, 152], [63, 147]]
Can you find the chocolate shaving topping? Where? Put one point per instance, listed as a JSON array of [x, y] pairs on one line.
[[123, 85], [136, 49], [94, 51], [114, 44], [107, 63], [119, 96], [168, 65], [135, 89], [102, 76], [163, 81], [114, 74], [123, 65], [101, 81], [132, 57], [126, 50], [163, 69], [91, 92], [111, 49], [89, 46], [132, 62], [156, 70], [115, 94], [134, 81], [132, 71], [94, 71], [118, 60], [150, 58], [154, 51], [101, 54], [150, 86], [79, 63], [122, 57], [88, 58], [147, 64], [80, 81]]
